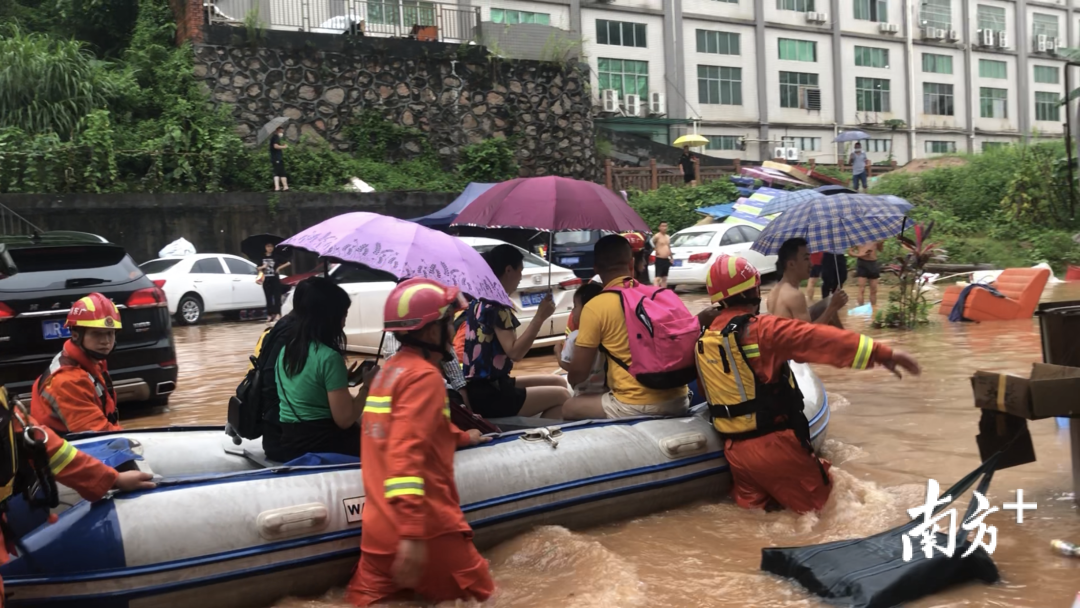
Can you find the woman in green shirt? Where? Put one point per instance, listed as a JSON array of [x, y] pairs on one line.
[[317, 411]]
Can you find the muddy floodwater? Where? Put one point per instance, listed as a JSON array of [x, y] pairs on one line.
[[886, 438]]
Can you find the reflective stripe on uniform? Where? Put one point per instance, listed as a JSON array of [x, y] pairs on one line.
[[377, 405], [862, 356], [62, 458], [751, 351], [401, 486], [54, 405], [727, 342]]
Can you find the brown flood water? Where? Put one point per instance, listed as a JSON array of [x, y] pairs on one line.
[[886, 438]]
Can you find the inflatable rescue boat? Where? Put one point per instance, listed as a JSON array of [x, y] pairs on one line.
[[227, 529]]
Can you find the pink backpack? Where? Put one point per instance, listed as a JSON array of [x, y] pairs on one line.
[[662, 333]]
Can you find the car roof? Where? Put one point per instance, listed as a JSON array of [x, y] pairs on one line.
[[198, 256], [52, 238], [707, 228], [473, 241]]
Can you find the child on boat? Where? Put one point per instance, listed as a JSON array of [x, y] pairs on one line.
[[596, 384]]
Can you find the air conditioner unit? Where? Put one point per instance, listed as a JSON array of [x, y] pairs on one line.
[[1002, 40], [986, 37], [1052, 45], [742, 144], [822, 17], [939, 34], [610, 100], [656, 104], [633, 105], [932, 33], [792, 154], [778, 153], [953, 36], [892, 28], [1041, 43], [810, 98]]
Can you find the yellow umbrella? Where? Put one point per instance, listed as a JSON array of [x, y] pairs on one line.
[[691, 140]]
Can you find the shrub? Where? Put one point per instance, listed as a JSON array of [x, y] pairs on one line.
[[489, 161], [678, 205]]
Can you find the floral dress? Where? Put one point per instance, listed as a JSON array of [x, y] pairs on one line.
[[484, 355]]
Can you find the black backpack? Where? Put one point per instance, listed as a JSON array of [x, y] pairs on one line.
[[245, 418]]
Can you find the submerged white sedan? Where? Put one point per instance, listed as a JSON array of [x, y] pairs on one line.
[[205, 282], [697, 247], [369, 289]]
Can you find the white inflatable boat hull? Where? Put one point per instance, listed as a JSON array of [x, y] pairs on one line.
[[236, 537]]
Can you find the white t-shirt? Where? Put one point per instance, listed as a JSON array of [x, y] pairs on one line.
[[596, 383]]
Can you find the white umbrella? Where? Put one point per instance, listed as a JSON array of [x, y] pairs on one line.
[[266, 130]]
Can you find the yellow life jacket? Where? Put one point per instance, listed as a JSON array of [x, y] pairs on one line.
[[9, 455], [740, 404]]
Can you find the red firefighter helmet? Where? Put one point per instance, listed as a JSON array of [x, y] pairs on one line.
[[637, 241], [418, 302], [95, 310], [730, 275]]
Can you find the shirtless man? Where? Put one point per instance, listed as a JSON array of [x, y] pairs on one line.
[[787, 299], [662, 250]]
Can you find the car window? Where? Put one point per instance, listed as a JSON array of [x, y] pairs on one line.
[[530, 261], [731, 237], [749, 233], [358, 273], [43, 268], [157, 266], [207, 266], [577, 237], [692, 239], [240, 266]]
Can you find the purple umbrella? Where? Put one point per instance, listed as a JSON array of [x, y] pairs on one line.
[[551, 204], [404, 249]]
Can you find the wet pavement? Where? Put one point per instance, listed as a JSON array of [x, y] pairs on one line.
[[886, 438]]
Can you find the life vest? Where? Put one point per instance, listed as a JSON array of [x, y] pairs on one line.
[[103, 388], [740, 404], [24, 461]]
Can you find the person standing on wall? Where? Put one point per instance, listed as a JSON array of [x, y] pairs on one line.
[[858, 163], [277, 159], [686, 161], [661, 243], [271, 283]]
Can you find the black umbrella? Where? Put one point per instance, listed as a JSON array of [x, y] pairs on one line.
[[254, 247]]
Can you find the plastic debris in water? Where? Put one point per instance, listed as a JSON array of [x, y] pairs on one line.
[[1076, 604], [1065, 548], [1062, 422]]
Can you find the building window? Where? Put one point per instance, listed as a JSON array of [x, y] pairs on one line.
[[729, 1], [1044, 25], [719, 85], [872, 10], [509, 17], [797, 50], [872, 95], [1046, 74], [878, 145], [720, 43], [803, 6], [806, 144], [620, 33], [869, 57], [938, 64], [989, 68], [940, 147], [991, 18], [722, 142], [625, 76], [993, 103], [937, 13], [937, 99], [1047, 106], [789, 87]]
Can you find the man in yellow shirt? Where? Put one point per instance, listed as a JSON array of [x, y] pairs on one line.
[[603, 323]]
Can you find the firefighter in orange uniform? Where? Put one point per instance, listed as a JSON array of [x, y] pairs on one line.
[[415, 535], [76, 394], [754, 401], [56, 458]]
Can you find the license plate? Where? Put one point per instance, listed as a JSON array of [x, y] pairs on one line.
[[676, 263], [569, 261], [54, 330], [529, 300]]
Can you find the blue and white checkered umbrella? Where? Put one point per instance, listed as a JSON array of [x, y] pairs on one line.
[[790, 200], [834, 223]]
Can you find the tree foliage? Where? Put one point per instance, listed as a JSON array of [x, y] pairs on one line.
[[678, 205]]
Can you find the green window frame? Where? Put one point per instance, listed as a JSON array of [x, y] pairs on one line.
[[937, 64], [872, 95], [1044, 25], [789, 87], [797, 50], [937, 13], [805, 144], [514, 17], [1047, 106], [993, 103], [938, 99], [991, 17], [621, 33], [1046, 74], [989, 68], [940, 147], [719, 85], [722, 142], [871, 57], [718, 43], [626, 76], [802, 6], [872, 10]]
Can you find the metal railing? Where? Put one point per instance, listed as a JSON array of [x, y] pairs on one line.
[[389, 18], [12, 223]]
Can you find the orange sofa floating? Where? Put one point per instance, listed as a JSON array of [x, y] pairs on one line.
[[1022, 288]]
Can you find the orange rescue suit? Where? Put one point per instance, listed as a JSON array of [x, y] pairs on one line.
[[776, 466], [76, 394], [87, 475], [407, 448]]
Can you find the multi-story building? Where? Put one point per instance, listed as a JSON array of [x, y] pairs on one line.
[[922, 78]]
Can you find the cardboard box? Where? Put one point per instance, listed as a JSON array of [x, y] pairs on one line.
[[1052, 390], [998, 431]]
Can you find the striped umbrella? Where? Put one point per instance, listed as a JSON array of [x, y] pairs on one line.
[[790, 200], [834, 224]]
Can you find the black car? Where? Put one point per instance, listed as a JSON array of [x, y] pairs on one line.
[[42, 275], [574, 250]]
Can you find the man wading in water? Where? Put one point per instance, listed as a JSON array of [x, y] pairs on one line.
[[661, 243], [787, 299]]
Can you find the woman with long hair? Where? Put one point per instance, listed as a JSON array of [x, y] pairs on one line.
[[492, 346], [317, 411]]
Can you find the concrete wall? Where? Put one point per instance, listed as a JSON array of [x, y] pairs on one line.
[[214, 223]]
